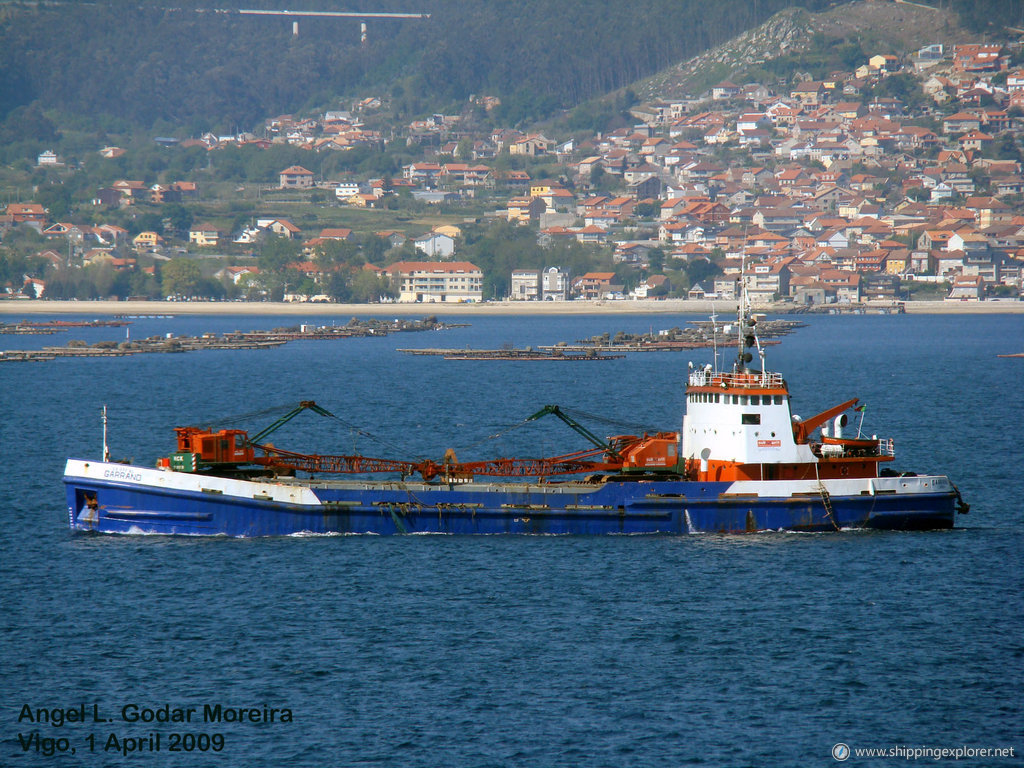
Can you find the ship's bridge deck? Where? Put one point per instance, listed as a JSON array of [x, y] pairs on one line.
[[737, 380]]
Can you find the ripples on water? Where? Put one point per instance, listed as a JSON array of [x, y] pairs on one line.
[[535, 651]]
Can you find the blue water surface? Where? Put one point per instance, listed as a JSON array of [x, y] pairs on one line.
[[751, 650]]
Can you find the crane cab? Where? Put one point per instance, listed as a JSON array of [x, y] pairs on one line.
[[201, 449]]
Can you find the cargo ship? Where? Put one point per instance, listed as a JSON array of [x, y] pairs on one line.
[[741, 463]]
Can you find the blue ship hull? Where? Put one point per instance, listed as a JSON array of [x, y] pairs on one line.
[[114, 498]]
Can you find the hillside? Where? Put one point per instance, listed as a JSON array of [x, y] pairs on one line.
[[118, 65], [803, 38]]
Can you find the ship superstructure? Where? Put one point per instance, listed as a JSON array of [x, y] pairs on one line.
[[739, 426]]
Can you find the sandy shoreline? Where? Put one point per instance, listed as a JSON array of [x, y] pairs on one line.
[[671, 306]]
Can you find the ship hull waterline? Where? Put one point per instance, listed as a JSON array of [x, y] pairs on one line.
[[117, 498]]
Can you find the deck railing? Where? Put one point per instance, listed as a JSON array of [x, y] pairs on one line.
[[751, 380], [881, 447]]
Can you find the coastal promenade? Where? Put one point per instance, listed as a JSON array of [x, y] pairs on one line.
[[668, 306]]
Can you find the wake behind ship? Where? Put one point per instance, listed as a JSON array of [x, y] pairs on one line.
[[740, 463]]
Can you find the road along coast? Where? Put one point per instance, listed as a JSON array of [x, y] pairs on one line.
[[667, 307]]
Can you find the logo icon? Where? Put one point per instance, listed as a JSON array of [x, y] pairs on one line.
[[841, 752]]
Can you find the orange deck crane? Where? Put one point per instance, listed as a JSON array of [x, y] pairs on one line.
[[200, 450]]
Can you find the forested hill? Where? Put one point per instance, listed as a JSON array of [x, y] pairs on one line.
[[118, 64]]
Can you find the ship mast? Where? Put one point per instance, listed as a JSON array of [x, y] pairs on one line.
[[714, 337], [106, 450], [744, 339], [747, 328]]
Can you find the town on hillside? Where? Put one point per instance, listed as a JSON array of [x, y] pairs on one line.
[[900, 179]]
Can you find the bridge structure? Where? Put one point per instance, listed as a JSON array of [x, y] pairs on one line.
[[296, 15]]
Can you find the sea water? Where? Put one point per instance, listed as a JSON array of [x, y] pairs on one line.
[[749, 650]]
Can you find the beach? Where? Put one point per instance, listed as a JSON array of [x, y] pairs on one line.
[[16, 307]]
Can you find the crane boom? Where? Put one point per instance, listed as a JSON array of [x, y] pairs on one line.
[[802, 429], [200, 449], [596, 441], [302, 406], [569, 464]]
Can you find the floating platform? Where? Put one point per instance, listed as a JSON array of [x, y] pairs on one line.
[[699, 334], [236, 340], [526, 354], [642, 346], [30, 356]]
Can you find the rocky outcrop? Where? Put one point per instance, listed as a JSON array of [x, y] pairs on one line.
[[895, 27]]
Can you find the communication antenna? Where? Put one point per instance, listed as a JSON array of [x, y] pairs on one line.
[[714, 336], [742, 315], [106, 450]]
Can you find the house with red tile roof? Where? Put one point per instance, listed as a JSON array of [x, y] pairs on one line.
[[146, 240], [524, 210], [21, 213], [978, 58], [594, 285], [111, 234], [531, 146], [130, 190], [76, 233], [336, 233], [279, 227], [724, 90], [768, 280], [967, 288], [975, 140], [871, 261], [204, 235], [592, 233], [296, 177], [961, 122], [435, 281], [810, 93]]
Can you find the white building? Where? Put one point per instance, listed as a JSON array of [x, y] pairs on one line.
[[346, 189], [436, 244], [525, 285], [435, 281], [554, 284]]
